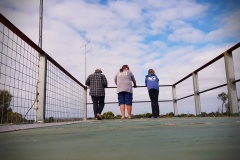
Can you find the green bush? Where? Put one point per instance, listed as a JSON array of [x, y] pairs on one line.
[[5, 100], [171, 114], [49, 120], [149, 115], [118, 116], [14, 117], [108, 115], [138, 116]]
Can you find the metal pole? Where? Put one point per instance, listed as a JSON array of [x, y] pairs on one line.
[[196, 94], [85, 82], [41, 95], [40, 110], [85, 64], [175, 109], [85, 52], [40, 23], [232, 88]]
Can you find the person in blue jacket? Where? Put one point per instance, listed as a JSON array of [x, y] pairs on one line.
[[152, 83]]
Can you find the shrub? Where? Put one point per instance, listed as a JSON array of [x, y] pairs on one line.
[[14, 117], [171, 114], [148, 115], [108, 115]]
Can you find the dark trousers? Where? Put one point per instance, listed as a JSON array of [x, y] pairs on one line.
[[153, 94], [98, 104]]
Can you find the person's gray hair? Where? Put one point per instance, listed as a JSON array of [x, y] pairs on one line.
[[98, 70]]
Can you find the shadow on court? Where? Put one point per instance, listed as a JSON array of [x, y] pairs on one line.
[[164, 138]]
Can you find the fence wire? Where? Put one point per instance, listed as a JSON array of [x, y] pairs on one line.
[[65, 98], [18, 78]]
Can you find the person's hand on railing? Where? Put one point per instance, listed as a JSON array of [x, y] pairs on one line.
[[134, 84]]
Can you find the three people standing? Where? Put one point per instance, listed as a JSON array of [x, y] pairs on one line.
[[97, 83], [124, 79], [152, 83]]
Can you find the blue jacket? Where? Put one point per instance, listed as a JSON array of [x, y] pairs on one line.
[[151, 81]]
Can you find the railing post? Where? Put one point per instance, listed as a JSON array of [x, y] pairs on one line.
[[85, 118], [196, 94], [230, 75], [174, 100], [41, 98]]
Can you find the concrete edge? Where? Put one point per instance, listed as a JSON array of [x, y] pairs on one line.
[[17, 127]]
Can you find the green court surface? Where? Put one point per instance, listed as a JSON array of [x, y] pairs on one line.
[[196, 138]]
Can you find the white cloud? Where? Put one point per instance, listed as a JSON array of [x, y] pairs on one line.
[[126, 10], [230, 25], [187, 34], [227, 27]]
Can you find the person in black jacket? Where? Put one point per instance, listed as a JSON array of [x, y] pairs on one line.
[[97, 83]]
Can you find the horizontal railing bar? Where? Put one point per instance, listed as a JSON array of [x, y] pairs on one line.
[[15, 30], [238, 80], [197, 70], [179, 98], [185, 97], [159, 86], [150, 101], [209, 63], [213, 88], [64, 70], [233, 47], [136, 102], [203, 91], [145, 86]]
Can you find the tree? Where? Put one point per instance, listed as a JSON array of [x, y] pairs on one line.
[[227, 107], [6, 113], [5, 99], [224, 98]]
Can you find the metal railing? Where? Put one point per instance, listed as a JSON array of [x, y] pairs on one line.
[[231, 85], [230, 78], [33, 86]]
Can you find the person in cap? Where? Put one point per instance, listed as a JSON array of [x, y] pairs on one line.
[[97, 83]]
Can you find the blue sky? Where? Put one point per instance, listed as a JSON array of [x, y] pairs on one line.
[[173, 37]]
